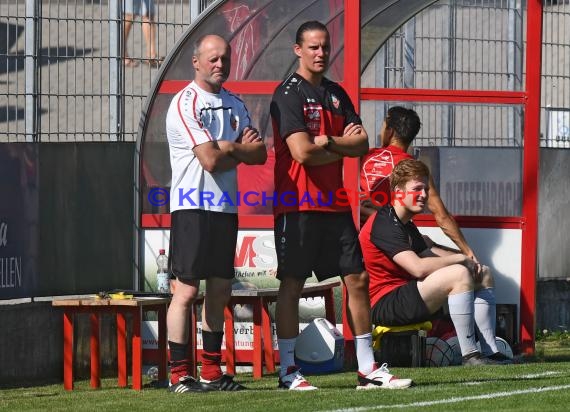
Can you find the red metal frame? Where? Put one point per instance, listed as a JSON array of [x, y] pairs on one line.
[[239, 87], [528, 222], [529, 98], [477, 222], [162, 221], [453, 96], [530, 175]]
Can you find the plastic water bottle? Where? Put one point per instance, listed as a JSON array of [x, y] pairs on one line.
[[162, 276]]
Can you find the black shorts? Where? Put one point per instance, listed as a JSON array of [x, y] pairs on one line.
[[325, 243], [403, 306], [202, 244]]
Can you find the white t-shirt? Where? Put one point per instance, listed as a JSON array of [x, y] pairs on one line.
[[196, 116]]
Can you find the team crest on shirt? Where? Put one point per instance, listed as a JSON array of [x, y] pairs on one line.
[[233, 122], [335, 101], [313, 119], [313, 114]]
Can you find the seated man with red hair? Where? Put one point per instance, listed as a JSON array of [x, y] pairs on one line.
[[410, 282]]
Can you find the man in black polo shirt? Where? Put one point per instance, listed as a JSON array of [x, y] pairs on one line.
[[315, 127]]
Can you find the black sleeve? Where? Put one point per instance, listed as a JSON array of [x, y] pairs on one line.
[[389, 235], [418, 243], [350, 114], [287, 112]]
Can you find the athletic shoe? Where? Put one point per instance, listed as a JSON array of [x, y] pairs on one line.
[[225, 383], [380, 378], [294, 381], [188, 384], [501, 358], [476, 359]]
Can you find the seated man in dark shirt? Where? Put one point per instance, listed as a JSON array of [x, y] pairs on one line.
[[410, 281]]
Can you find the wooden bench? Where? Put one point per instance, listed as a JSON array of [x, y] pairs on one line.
[[120, 307], [263, 352]]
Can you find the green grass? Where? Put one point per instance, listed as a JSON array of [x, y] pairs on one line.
[[542, 383]]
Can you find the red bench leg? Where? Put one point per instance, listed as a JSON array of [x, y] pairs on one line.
[[267, 337], [137, 349], [122, 350], [68, 350], [95, 355], [257, 345]]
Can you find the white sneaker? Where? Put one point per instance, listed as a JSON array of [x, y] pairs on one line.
[[380, 378], [294, 381]]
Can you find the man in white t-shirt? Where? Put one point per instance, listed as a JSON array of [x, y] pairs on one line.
[[209, 133]]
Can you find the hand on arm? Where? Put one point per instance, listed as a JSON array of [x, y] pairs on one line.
[[353, 142], [249, 148], [475, 268], [214, 156], [304, 150], [421, 267]]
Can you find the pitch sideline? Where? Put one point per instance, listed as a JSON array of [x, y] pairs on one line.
[[456, 399]]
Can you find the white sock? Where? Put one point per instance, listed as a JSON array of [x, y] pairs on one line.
[[286, 354], [461, 310], [485, 320], [364, 353]]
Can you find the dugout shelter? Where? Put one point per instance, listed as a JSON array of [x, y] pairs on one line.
[[474, 78]]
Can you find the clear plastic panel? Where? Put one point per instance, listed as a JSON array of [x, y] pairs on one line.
[[452, 44], [155, 163], [262, 34], [474, 153]]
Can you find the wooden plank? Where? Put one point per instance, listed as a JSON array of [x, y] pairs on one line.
[[66, 302], [272, 292], [111, 302]]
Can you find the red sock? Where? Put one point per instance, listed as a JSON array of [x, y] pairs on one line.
[[178, 369], [211, 369]]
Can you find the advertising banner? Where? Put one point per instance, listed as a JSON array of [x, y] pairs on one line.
[[481, 181], [19, 226]]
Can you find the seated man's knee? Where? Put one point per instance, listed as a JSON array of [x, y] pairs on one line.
[[460, 275]]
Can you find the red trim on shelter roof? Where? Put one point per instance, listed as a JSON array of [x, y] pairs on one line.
[[478, 222], [455, 96], [162, 221], [238, 87]]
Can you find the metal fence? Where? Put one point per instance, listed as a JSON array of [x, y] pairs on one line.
[[479, 45], [62, 66], [63, 77]]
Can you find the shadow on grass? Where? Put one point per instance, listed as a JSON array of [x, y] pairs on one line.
[[31, 384]]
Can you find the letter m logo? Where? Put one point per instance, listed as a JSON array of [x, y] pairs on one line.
[[245, 253]]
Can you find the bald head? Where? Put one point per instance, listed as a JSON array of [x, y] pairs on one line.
[[212, 62], [206, 38]]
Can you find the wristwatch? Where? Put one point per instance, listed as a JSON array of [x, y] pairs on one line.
[[329, 141]]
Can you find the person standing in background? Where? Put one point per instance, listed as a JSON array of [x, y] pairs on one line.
[[399, 129], [147, 11]]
